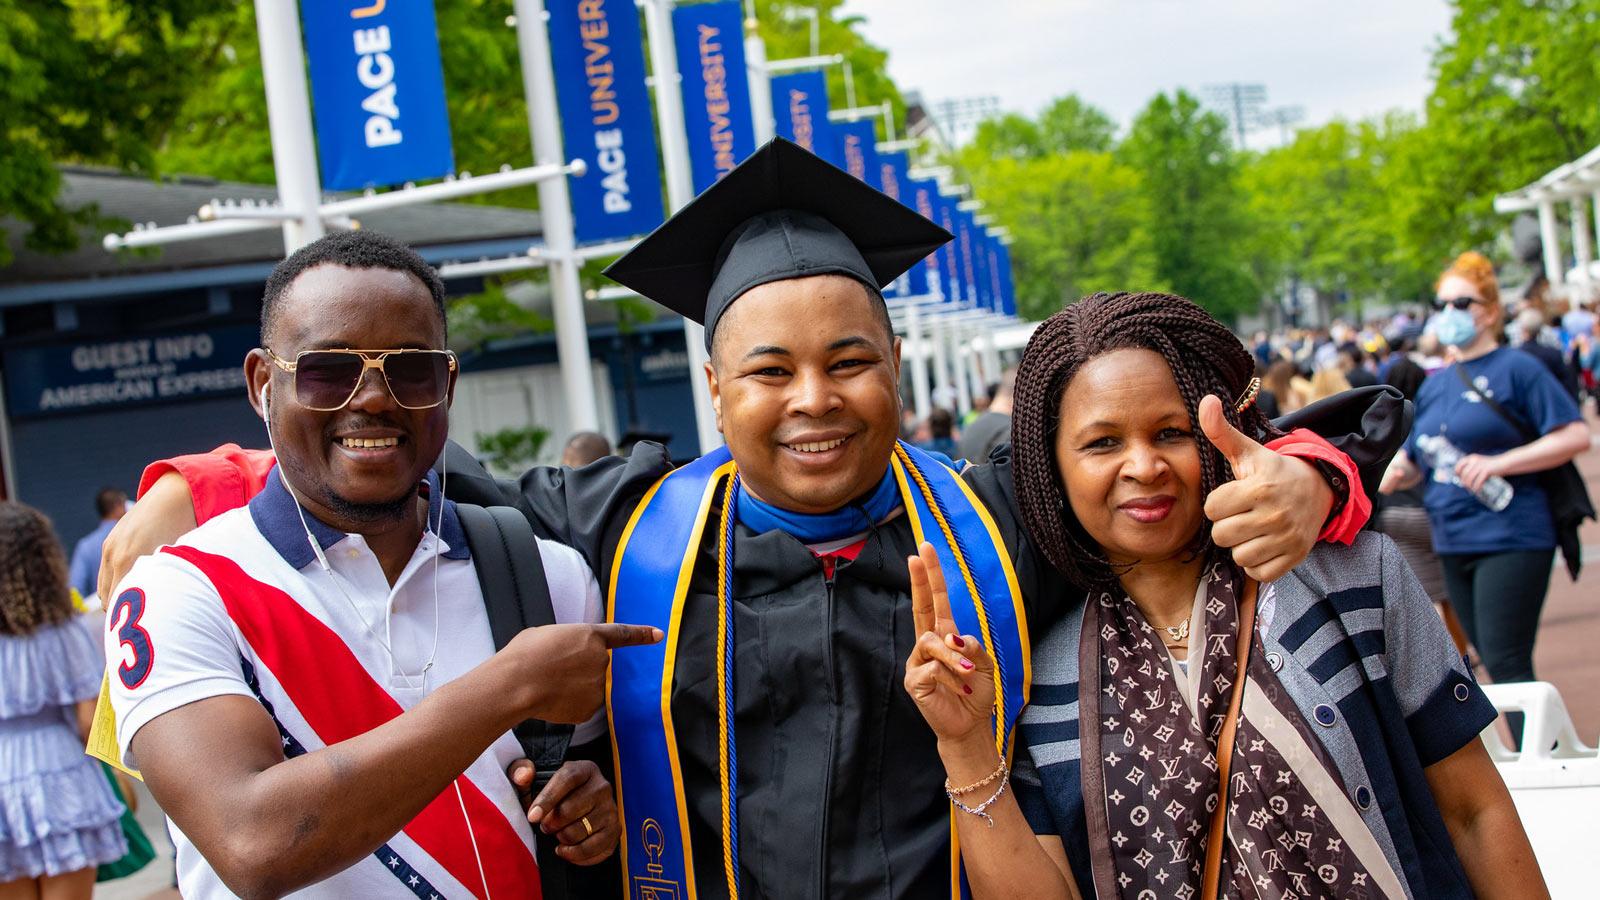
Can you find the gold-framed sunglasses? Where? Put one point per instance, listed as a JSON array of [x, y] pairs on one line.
[[326, 380]]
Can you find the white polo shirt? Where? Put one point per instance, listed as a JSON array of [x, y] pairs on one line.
[[242, 606]]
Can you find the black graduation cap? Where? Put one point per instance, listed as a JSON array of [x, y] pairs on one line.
[[782, 213]]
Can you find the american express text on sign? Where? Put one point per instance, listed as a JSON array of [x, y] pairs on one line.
[[55, 379]]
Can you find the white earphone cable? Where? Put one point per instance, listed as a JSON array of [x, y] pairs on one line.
[[473, 837]]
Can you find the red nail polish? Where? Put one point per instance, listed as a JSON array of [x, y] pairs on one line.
[[967, 664], [956, 638], [966, 688]]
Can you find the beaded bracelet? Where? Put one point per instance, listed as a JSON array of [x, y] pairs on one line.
[[999, 770], [981, 810]]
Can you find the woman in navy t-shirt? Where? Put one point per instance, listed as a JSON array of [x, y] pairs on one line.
[[1496, 561]]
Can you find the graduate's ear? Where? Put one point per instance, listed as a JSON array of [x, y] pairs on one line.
[[896, 354], [716, 394]]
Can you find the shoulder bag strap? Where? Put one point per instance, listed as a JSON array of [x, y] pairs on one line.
[[1211, 878], [1528, 434]]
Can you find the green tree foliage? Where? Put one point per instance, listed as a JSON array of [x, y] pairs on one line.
[[1076, 213], [1193, 205], [512, 450], [1079, 225], [85, 81], [1321, 210], [1068, 124], [1515, 88], [785, 27]]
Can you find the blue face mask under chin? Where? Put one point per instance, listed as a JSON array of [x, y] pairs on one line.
[[1454, 327]]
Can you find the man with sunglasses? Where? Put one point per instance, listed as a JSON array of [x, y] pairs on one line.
[[309, 683]]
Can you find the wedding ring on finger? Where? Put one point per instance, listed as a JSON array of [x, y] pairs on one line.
[[587, 828]]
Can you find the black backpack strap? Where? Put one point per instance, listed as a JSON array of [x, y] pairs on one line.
[[516, 596]]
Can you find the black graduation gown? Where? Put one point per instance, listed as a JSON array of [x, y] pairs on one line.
[[840, 785]]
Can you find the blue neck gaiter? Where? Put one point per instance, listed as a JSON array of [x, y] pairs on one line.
[[762, 517]]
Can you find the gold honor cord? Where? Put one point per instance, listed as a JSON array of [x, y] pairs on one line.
[[1000, 742], [730, 864]]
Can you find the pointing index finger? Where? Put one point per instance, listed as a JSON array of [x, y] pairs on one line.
[[616, 634]]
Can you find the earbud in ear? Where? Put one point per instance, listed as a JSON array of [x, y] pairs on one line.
[[263, 398]]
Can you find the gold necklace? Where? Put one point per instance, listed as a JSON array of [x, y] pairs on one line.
[[1178, 633]]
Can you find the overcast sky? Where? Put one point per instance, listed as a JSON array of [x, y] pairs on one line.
[[1350, 58]]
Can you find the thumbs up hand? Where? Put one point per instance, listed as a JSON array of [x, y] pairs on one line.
[[1273, 510]]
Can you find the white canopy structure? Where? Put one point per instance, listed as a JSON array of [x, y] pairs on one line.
[[1575, 183]]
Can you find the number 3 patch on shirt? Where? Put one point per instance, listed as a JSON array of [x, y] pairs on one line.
[[124, 622]]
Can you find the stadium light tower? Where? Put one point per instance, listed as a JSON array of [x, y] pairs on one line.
[[1285, 117], [960, 116], [1241, 103]]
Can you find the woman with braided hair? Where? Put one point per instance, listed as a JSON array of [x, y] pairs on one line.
[[1190, 731]]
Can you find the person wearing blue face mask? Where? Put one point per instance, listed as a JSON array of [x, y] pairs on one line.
[[1496, 561]]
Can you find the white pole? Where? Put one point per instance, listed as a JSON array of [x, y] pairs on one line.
[[958, 372], [991, 355], [1551, 239], [755, 59], [294, 153], [941, 364], [572, 332], [1597, 213], [974, 368], [1581, 247], [680, 190], [916, 347]]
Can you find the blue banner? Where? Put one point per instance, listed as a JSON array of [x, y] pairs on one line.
[[716, 88], [894, 176], [1008, 284], [980, 266], [858, 147], [378, 92], [800, 113], [598, 59], [991, 271], [894, 179], [965, 251], [923, 196], [950, 275]]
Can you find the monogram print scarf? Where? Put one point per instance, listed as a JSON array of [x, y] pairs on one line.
[[1149, 754]]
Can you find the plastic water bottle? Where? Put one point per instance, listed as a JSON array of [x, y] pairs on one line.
[[1442, 456]]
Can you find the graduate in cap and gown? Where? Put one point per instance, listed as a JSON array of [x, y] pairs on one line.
[[767, 748]]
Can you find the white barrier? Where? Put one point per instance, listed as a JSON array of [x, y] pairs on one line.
[[1555, 783]]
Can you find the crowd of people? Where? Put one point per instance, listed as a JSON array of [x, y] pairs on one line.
[[1142, 646]]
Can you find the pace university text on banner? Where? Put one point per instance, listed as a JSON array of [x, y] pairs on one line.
[[894, 179], [716, 88], [800, 113], [378, 89], [858, 147], [924, 198], [598, 58]]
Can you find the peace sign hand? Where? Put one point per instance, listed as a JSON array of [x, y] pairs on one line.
[[950, 676]]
